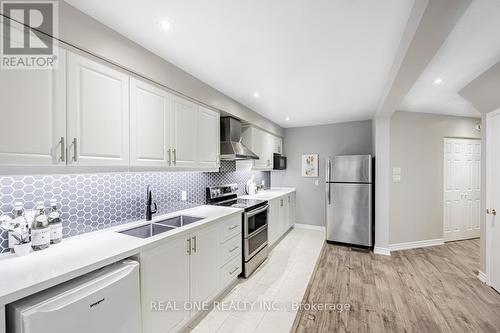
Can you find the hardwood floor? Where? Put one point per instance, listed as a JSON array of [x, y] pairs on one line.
[[432, 289]]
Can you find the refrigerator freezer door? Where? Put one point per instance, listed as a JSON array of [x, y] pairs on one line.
[[352, 169], [349, 214]]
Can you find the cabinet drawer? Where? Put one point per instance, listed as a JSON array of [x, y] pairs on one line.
[[230, 271], [230, 228], [230, 249]]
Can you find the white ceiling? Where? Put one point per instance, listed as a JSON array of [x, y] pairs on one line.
[[317, 62], [472, 47]]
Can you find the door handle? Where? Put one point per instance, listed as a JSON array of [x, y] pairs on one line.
[[63, 150], [188, 246], [175, 157], [75, 150], [491, 211], [234, 270], [169, 152], [328, 197], [194, 244]]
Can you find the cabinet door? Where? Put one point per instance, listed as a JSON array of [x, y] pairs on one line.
[[274, 220], [33, 115], [208, 138], [278, 145], [185, 132], [98, 114], [204, 265], [149, 125], [165, 278], [291, 208]]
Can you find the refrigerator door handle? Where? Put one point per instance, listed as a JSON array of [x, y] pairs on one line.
[[328, 170], [328, 195]]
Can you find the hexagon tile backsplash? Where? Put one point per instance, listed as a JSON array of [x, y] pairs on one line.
[[90, 202]]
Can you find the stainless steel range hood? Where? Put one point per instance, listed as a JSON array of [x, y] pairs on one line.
[[231, 147]]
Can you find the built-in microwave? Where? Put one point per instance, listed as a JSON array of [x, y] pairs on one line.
[[279, 162]]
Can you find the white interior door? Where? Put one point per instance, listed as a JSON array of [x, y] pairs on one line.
[[98, 114], [149, 125], [462, 189], [493, 199]]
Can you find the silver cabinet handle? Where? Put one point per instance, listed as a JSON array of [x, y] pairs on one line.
[[234, 270], [281, 202], [169, 152], [75, 150], [63, 150], [189, 246], [288, 199], [175, 157], [233, 226], [234, 248], [194, 244]]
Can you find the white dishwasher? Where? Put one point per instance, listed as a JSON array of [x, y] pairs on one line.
[[103, 301]]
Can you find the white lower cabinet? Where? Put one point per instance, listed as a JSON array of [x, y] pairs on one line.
[[204, 266], [281, 216], [165, 278], [184, 273]]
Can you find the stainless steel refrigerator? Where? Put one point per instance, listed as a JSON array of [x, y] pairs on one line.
[[349, 193]]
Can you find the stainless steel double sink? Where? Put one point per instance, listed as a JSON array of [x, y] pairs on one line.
[[158, 227]]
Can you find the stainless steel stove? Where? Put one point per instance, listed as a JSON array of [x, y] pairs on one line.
[[254, 223]]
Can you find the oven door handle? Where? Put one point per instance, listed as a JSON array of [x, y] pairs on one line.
[[255, 212], [255, 232]]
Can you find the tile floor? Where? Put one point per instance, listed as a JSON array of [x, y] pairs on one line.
[[278, 283]]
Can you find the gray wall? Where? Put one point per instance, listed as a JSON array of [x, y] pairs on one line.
[[325, 140], [416, 207], [87, 34]]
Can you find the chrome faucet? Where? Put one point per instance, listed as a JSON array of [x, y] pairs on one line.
[[150, 204]]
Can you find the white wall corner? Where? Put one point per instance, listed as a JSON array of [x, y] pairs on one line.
[[482, 277], [416, 245], [382, 251], [382, 181]]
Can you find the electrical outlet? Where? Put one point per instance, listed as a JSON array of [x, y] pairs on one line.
[[316, 182], [183, 196]]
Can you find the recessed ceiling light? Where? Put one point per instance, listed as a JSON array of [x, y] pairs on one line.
[[438, 81], [165, 25], [287, 118], [256, 95]]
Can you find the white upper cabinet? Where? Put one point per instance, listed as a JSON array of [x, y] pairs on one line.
[[98, 114], [150, 125], [208, 138], [278, 145], [33, 115], [262, 144], [185, 131]]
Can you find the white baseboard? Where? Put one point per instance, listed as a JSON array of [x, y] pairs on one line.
[[417, 244], [382, 251], [308, 226], [481, 276]]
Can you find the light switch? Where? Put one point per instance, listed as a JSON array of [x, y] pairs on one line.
[[396, 178], [183, 196], [316, 182]]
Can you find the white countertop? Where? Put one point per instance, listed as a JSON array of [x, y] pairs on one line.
[[271, 193], [78, 255]]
